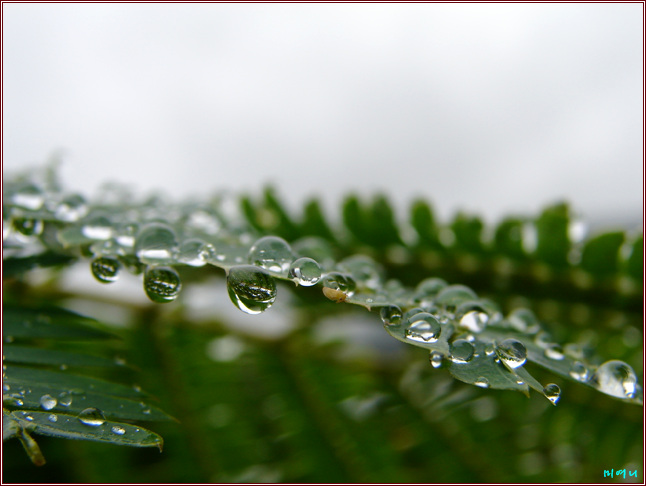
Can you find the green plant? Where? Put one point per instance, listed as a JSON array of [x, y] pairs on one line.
[[310, 403]]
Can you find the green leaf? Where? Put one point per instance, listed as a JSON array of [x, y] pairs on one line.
[[468, 233], [508, 239], [553, 243], [635, 264], [48, 322], [423, 220], [601, 254], [15, 266], [30, 355]]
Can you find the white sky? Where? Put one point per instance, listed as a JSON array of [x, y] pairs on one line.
[[490, 108]]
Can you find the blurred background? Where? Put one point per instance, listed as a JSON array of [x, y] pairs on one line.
[[487, 108]]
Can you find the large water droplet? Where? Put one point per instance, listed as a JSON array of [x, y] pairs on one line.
[[47, 402], [423, 328], [156, 243], [472, 316], [454, 295], [28, 196], [616, 378], [554, 351], [524, 320], [391, 315], [271, 253], [579, 372], [105, 269], [251, 289], [427, 289], [162, 284], [91, 416], [305, 271], [552, 392], [436, 359], [462, 351], [196, 253], [512, 352], [97, 227]]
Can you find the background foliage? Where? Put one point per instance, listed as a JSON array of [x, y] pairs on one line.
[[332, 398]]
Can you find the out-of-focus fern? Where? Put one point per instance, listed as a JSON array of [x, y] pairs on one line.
[[422, 279]]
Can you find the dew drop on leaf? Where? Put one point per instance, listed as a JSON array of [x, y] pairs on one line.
[[423, 328], [271, 253], [472, 317], [554, 351], [97, 227], [305, 271], [196, 253], [118, 430], [552, 392], [461, 351], [579, 372], [71, 208], [391, 315], [65, 399], [436, 359], [52, 417], [454, 295], [105, 269], [524, 320], [47, 402], [91, 416], [616, 378], [482, 382], [29, 196], [156, 243], [28, 226], [512, 352], [341, 282], [162, 284], [251, 289]]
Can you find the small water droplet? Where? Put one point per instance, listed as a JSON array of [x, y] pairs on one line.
[[436, 359], [482, 382], [91, 416], [579, 372], [6, 387], [423, 328], [305, 271], [554, 351], [512, 352], [15, 399], [271, 253], [490, 349], [363, 269], [65, 399], [552, 392], [28, 196], [462, 351], [427, 289], [616, 378], [71, 208], [156, 243], [196, 253], [473, 318], [162, 284], [47, 402], [524, 320], [28, 226], [118, 430], [391, 315], [340, 282], [252, 289], [52, 417], [97, 227], [28, 417], [105, 269]]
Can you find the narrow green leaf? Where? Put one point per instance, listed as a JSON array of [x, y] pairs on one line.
[[423, 221], [508, 239], [314, 222], [553, 243], [601, 254], [26, 354], [635, 265], [13, 266], [468, 233], [48, 322]]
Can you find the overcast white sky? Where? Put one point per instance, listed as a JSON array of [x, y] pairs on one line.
[[489, 108]]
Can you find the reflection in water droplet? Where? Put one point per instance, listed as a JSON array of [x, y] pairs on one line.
[[554, 351], [616, 378], [579, 372], [461, 351], [391, 315], [156, 243], [47, 402], [271, 253], [512, 352], [552, 392], [251, 289], [196, 253], [91, 416], [118, 430], [162, 284], [341, 282], [52, 417], [105, 269], [436, 359], [474, 320], [482, 382], [423, 328], [305, 271]]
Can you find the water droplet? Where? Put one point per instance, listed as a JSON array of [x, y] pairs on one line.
[[579, 372], [71, 208], [105, 269], [305, 271], [482, 382], [65, 399], [271, 253], [490, 349], [204, 221], [616, 378], [554, 351], [524, 320], [461, 350], [453, 295], [315, 248], [118, 430], [472, 316], [28, 196], [28, 417], [552, 392], [156, 243], [436, 359], [162, 284], [512, 352], [52, 417], [28, 226], [251, 289], [15, 399], [391, 315], [427, 289], [91, 416], [47, 402], [196, 253], [423, 328], [97, 227], [340, 282], [363, 269]]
